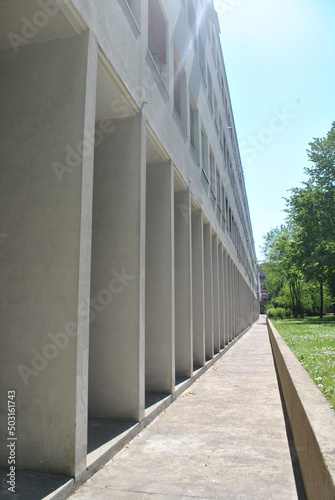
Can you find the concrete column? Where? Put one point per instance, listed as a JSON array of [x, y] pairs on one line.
[[243, 302], [117, 370], [159, 280], [226, 295], [234, 300], [199, 356], [183, 285], [230, 300], [246, 304], [222, 297], [47, 96], [208, 285], [216, 295], [239, 301]]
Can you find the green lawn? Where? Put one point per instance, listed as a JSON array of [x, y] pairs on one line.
[[313, 342]]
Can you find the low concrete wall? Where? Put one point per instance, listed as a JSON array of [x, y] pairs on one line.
[[311, 419]]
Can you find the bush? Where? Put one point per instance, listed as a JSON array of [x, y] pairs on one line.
[[277, 313]]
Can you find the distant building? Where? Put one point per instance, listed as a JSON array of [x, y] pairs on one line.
[[128, 261]]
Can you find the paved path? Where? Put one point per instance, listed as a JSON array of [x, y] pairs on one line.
[[223, 438]]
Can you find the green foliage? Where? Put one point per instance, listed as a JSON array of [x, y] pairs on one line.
[[277, 312], [312, 340], [300, 257], [311, 211], [283, 276], [322, 155]]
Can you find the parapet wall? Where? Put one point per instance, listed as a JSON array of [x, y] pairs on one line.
[[311, 418]]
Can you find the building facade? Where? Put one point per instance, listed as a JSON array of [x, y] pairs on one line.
[[126, 245]]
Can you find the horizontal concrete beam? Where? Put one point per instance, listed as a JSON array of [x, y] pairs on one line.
[[311, 419]]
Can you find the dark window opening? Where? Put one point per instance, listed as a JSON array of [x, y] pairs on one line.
[[157, 33]]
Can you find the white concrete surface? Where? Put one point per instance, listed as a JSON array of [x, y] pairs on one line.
[[183, 284], [117, 344], [159, 280], [47, 95], [223, 438]]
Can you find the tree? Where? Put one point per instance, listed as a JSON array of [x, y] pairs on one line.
[[283, 277], [322, 155], [303, 252], [306, 214], [311, 211]]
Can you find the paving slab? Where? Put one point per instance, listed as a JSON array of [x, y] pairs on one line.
[[223, 438]]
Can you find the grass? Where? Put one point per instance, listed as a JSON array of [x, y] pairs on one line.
[[312, 340]]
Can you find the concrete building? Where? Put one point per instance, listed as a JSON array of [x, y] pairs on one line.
[[126, 247]]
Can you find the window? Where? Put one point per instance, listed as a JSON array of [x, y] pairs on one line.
[[204, 153], [230, 127], [226, 208], [218, 188], [194, 125], [210, 87], [134, 7], [214, 46], [176, 94], [212, 171], [224, 148], [193, 24], [220, 131], [202, 58], [223, 201], [179, 88], [216, 113], [157, 34]]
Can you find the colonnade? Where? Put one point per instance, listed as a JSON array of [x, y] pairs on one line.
[[115, 283]]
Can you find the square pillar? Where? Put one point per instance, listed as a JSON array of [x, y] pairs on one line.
[[239, 302], [234, 300], [116, 368], [226, 295], [159, 280], [208, 285], [230, 299], [183, 284], [222, 296], [199, 357], [46, 183], [216, 294]]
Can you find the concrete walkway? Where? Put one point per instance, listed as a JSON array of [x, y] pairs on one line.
[[223, 438]]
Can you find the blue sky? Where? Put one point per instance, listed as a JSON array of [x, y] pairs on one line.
[[280, 63]]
